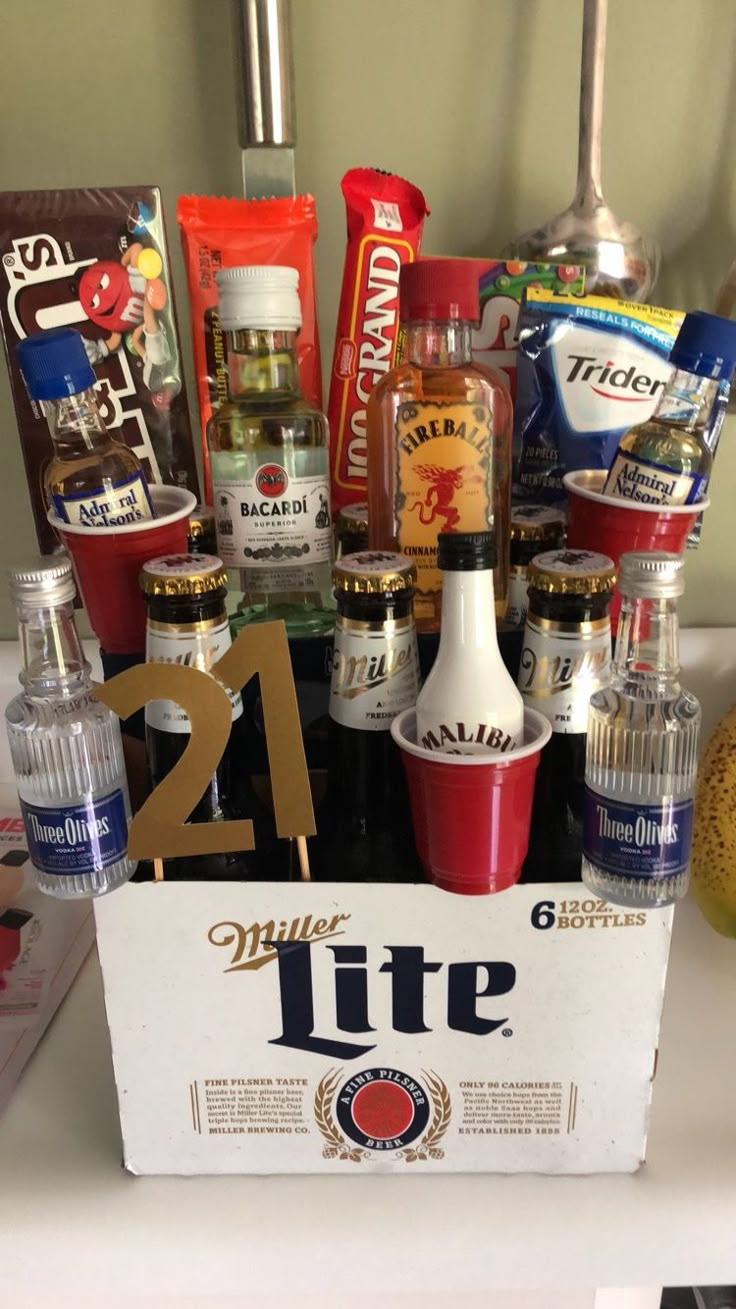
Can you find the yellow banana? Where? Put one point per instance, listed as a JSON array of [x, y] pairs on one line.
[[713, 862]]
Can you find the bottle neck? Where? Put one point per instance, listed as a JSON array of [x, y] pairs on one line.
[[51, 651], [438, 345], [687, 400], [468, 613], [261, 363], [75, 423], [646, 660]]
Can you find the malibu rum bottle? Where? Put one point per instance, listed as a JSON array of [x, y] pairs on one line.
[[269, 458], [439, 435]]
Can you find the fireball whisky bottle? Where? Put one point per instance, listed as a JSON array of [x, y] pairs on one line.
[[269, 459], [439, 435]]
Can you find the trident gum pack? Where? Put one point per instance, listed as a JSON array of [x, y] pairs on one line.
[[96, 260], [589, 368]]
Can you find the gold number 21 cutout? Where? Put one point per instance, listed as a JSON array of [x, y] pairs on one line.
[[159, 829]]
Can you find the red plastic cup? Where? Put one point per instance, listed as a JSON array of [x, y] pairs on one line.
[[471, 813], [107, 564], [612, 526]]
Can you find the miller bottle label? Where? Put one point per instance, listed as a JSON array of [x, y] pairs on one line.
[[561, 666], [566, 653], [374, 672]]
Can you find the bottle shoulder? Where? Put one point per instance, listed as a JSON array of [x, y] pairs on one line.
[[667, 443], [56, 714], [111, 462], [645, 705], [249, 426], [463, 382]]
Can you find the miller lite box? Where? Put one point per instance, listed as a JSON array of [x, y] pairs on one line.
[[96, 260], [349, 1029], [43, 943]]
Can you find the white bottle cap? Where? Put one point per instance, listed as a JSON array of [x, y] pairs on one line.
[[259, 297]]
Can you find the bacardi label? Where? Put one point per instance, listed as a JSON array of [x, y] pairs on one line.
[[631, 477], [561, 666], [119, 505], [443, 454], [374, 672], [273, 519], [195, 645]]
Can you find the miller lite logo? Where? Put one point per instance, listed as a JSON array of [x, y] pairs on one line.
[[424, 994]]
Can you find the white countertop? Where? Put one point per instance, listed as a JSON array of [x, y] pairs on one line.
[[72, 1222]]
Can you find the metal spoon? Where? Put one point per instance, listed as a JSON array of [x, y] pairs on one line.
[[620, 262]]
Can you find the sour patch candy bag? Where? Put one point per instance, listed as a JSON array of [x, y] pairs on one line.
[[589, 368]]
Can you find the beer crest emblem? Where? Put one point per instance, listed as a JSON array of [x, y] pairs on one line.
[[382, 1110]]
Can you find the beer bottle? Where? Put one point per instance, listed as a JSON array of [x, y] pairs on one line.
[[187, 624], [534, 529], [565, 657], [469, 704], [364, 831], [351, 530]]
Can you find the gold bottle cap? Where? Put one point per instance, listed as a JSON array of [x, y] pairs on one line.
[[571, 572], [353, 518], [185, 574], [537, 523], [374, 572], [201, 521]]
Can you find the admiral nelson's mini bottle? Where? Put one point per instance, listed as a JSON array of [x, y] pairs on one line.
[[92, 480]]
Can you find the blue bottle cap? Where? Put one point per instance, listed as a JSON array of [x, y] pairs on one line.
[[706, 345], [54, 364]]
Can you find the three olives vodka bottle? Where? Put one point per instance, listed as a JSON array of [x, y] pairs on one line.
[[65, 745], [641, 756]]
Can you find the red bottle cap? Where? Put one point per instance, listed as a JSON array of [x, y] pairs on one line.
[[439, 290]]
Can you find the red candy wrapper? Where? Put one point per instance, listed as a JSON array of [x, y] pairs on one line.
[[385, 219], [221, 233]]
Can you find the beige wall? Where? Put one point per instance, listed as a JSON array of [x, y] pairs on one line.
[[475, 100]]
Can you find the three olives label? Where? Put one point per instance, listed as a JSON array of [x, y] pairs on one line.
[[273, 519], [443, 454]]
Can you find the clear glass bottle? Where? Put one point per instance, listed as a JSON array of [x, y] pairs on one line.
[[469, 703], [667, 460], [65, 745], [269, 459], [92, 479], [439, 435], [641, 757]]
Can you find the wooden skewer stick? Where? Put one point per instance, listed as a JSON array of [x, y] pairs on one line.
[[158, 870], [301, 845]]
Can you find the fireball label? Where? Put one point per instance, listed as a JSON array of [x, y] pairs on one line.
[[443, 454], [273, 519]]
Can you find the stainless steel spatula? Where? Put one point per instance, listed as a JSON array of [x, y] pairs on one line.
[[266, 119], [620, 262]]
